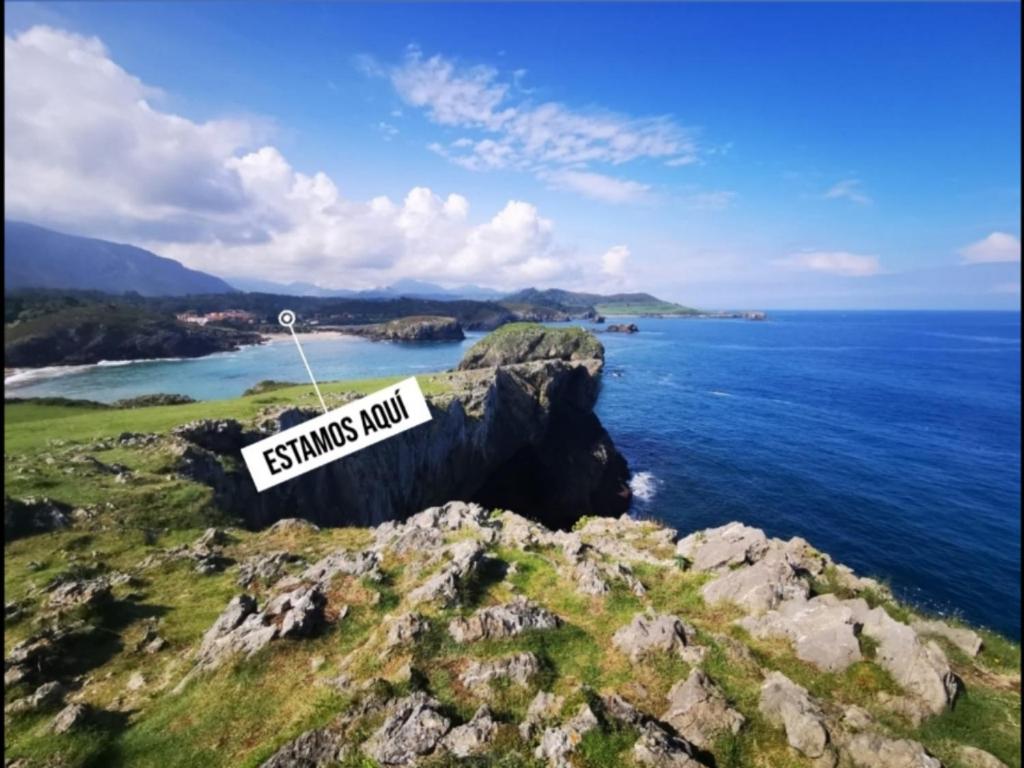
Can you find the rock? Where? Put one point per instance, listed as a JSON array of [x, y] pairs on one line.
[[86, 592], [921, 669], [657, 748], [293, 525], [786, 704], [313, 749], [756, 588], [212, 537], [972, 757], [857, 719], [656, 634], [41, 656], [718, 549], [518, 669], [341, 563], [589, 579], [419, 328], [265, 569], [414, 728], [404, 630], [622, 328], [823, 630], [24, 517], [521, 343], [444, 587], [73, 716], [136, 682], [220, 436], [502, 621], [873, 750], [557, 744], [698, 710], [46, 696], [967, 641], [473, 737], [544, 707], [298, 613]]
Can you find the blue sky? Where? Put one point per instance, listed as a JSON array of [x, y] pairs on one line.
[[799, 155]]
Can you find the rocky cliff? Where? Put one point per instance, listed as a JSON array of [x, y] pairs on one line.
[[464, 636], [514, 427], [417, 328]]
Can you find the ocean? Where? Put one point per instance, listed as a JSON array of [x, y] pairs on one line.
[[890, 440]]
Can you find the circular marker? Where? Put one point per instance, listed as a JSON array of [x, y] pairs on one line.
[[286, 318]]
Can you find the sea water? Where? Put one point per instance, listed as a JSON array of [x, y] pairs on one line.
[[890, 440]]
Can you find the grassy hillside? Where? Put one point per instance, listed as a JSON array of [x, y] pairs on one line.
[[605, 304], [239, 714]]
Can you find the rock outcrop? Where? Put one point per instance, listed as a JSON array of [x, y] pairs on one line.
[[514, 427], [417, 328]]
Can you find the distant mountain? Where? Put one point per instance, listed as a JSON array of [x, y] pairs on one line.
[[407, 287], [35, 257], [606, 304]]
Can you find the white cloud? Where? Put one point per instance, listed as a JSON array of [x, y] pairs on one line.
[[848, 189], [841, 263], [86, 151], [613, 262], [598, 186], [387, 130], [999, 246], [544, 139]]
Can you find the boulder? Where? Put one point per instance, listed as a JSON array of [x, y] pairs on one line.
[[720, 548], [313, 749], [756, 588], [661, 633], [502, 621], [823, 630], [544, 708], [265, 569], [414, 727], [473, 737], [786, 704], [557, 744], [658, 748], [72, 717], [517, 669], [46, 696], [24, 517], [444, 586], [404, 630], [966, 640], [699, 712], [873, 750], [81, 592], [972, 757]]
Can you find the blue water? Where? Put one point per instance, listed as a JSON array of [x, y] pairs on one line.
[[890, 440]]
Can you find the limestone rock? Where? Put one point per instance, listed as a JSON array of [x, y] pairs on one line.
[[557, 744], [518, 669], [787, 704], [265, 569], [823, 630], [873, 750], [293, 525], [473, 737], [657, 748], [444, 586], [544, 708], [88, 592], [967, 641], [720, 548], [46, 696], [756, 588], [698, 710], [413, 728], [313, 749], [73, 716], [404, 630], [501, 621], [972, 757], [662, 633]]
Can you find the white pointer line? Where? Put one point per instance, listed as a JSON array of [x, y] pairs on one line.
[[287, 319]]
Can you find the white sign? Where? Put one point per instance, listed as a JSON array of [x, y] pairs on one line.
[[336, 434]]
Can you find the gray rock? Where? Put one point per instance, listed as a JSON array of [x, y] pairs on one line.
[[413, 728], [657, 748], [73, 716], [661, 633], [720, 548], [967, 641], [473, 737], [87, 592], [786, 704], [404, 630], [517, 669], [589, 578], [341, 563], [444, 587], [544, 708], [46, 696], [313, 749], [823, 630], [293, 525], [757, 588], [501, 621], [873, 750], [265, 569], [557, 744], [698, 711]]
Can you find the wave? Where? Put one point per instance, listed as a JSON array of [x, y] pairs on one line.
[[644, 486], [20, 377]]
